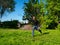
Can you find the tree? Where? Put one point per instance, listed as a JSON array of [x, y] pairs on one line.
[[6, 5], [30, 9], [33, 8], [46, 11], [53, 8]]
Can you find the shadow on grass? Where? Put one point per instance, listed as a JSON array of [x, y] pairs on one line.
[[45, 33]]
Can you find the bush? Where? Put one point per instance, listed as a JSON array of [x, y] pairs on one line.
[[52, 25], [58, 26], [9, 24]]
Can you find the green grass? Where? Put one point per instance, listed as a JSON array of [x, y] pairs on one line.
[[24, 37]]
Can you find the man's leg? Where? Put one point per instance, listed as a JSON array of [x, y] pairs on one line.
[[39, 29], [33, 30]]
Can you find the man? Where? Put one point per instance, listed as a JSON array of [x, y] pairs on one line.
[[35, 25]]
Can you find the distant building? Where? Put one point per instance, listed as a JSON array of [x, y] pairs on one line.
[[18, 24]]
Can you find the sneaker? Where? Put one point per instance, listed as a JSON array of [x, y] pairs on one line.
[[40, 31]]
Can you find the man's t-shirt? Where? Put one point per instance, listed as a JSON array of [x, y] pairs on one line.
[[35, 22]]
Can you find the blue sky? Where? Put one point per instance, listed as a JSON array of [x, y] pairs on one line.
[[17, 14]]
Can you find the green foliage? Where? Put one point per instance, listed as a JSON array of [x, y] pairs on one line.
[[9, 24], [31, 9], [52, 25], [46, 11], [53, 7], [58, 26], [6, 5], [36, 9]]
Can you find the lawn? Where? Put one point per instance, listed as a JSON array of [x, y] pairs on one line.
[[24, 37]]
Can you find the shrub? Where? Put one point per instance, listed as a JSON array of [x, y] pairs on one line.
[[52, 25]]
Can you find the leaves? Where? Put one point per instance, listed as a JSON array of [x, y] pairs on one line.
[[8, 5]]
